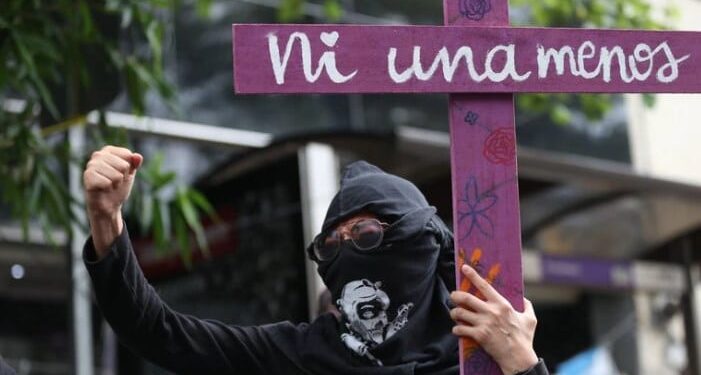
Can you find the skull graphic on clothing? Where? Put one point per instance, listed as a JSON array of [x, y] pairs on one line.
[[364, 307]]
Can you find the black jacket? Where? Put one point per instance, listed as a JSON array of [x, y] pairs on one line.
[[188, 345]]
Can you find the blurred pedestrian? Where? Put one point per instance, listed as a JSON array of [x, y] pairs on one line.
[[386, 258], [5, 369]]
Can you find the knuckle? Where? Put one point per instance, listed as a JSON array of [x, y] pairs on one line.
[[494, 312], [532, 322], [462, 314], [459, 298]]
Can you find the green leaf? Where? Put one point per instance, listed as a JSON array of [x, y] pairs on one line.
[[561, 115], [202, 203], [40, 86], [192, 219], [203, 7], [161, 231], [290, 10], [154, 35], [87, 26], [57, 197], [183, 238], [41, 46], [147, 213], [333, 10]]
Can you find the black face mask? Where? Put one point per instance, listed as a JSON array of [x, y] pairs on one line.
[[392, 299]]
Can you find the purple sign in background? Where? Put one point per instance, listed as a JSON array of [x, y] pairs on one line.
[[588, 272], [382, 59]]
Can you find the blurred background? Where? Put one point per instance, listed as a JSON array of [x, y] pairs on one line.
[[236, 186]]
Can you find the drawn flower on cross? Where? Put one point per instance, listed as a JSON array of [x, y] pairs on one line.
[[500, 147], [475, 9], [473, 207]]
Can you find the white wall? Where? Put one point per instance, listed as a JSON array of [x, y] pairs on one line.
[[666, 140]]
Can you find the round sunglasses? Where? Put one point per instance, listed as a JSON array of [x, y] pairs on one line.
[[365, 235]]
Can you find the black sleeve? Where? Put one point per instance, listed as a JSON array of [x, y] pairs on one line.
[[538, 369], [180, 343]]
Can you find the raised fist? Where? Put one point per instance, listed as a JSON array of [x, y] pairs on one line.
[[108, 179]]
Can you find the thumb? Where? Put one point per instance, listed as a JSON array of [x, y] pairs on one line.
[[136, 161]]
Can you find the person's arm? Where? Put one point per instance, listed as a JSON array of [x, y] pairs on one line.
[[145, 324], [140, 319], [504, 333]]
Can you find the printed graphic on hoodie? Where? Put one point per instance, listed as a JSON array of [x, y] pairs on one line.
[[364, 307]]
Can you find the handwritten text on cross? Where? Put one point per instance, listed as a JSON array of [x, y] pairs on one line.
[[275, 58]]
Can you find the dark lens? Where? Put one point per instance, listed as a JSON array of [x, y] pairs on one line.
[[326, 246], [367, 234], [369, 310]]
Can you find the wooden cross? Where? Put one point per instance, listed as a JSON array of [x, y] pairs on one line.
[[481, 62]]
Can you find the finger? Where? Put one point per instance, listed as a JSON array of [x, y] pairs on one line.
[[116, 162], [467, 331], [121, 152], [101, 167], [464, 316], [481, 284], [467, 300], [95, 181]]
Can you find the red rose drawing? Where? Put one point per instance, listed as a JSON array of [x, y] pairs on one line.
[[500, 146]]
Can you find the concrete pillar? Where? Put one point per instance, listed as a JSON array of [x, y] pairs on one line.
[[319, 178], [80, 282]]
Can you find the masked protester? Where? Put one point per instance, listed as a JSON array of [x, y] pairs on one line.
[[384, 255]]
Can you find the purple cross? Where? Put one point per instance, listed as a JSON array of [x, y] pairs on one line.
[[481, 62]]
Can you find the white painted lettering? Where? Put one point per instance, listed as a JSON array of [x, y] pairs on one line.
[[327, 61], [672, 65], [558, 56], [586, 51], [638, 66], [449, 65]]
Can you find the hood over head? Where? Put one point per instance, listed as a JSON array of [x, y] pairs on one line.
[[367, 188], [389, 295]]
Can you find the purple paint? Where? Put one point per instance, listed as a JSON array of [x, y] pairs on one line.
[[480, 129], [381, 59]]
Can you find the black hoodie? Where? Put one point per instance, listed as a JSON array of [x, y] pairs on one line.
[[404, 271]]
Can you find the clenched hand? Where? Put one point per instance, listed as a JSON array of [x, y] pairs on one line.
[[108, 179]]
